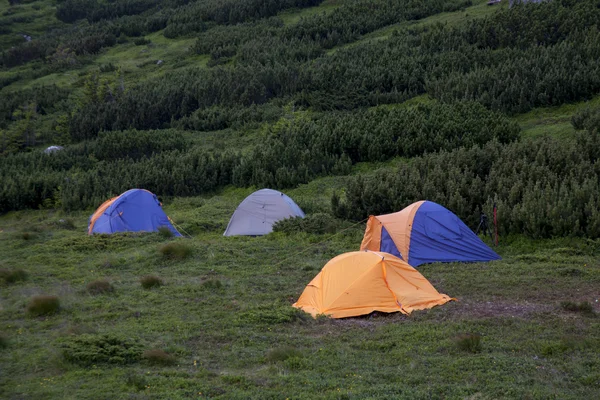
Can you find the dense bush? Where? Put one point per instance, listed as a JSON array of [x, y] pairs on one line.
[[88, 349], [300, 149], [542, 188]]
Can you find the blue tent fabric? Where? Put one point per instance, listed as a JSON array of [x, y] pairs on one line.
[[388, 245], [440, 236], [136, 210]]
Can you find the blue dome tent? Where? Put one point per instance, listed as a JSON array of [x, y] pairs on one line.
[[136, 210]]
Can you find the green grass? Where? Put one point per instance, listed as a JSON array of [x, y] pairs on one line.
[[552, 121], [239, 337], [292, 16]]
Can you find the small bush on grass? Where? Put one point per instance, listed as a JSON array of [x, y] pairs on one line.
[[469, 342], [159, 357], [165, 232], [141, 41], [571, 272], [283, 353], [66, 223], [12, 276], [3, 341], [27, 236], [89, 349], [176, 251], [584, 307], [43, 305], [212, 284], [150, 281], [99, 286]]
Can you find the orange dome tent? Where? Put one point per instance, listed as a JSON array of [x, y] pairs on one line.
[[361, 282]]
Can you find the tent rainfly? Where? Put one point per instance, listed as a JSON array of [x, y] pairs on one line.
[[258, 212], [425, 232], [360, 282], [136, 210]]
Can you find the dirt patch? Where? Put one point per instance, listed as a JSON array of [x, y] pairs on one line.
[[488, 309]]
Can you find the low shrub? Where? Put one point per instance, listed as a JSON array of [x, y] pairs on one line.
[[584, 307], [273, 315], [13, 276], [319, 223], [176, 251], [469, 342], [159, 357], [66, 223], [283, 353], [99, 286], [90, 349], [43, 305], [150, 281], [571, 272], [141, 41], [165, 232]]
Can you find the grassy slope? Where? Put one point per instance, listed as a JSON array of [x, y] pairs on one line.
[[222, 337]]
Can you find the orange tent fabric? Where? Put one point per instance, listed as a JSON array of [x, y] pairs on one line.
[[99, 212], [361, 282], [398, 225]]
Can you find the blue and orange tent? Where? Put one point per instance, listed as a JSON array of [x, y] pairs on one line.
[[136, 210], [425, 232]]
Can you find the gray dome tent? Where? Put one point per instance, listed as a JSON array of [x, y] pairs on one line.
[[53, 149], [258, 212]]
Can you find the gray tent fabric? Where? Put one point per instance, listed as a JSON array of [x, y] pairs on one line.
[[258, 212], [53, 149]]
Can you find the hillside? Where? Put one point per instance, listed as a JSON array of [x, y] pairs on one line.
[[352, 108]]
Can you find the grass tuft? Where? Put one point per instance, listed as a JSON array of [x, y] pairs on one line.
[[150, 281], [283, 353], [3, 341], [100, 286], [585, 307], [176, 251], [13, 276], [469, 342], [139, 382], [212, 284], [159, 357], [165, 232], [43, 305], [27, 236]]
